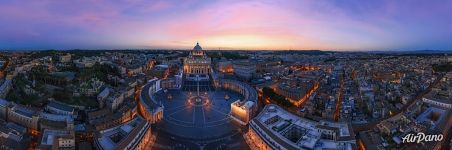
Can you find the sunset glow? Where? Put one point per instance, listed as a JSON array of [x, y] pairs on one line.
[[226, 24]]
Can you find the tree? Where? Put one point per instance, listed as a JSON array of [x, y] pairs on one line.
[[279, 99]]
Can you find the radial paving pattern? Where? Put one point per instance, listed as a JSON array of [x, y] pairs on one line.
[[188, 116]]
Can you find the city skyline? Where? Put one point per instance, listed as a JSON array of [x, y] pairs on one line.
[[250, 25], [225, 100], [226, 74]]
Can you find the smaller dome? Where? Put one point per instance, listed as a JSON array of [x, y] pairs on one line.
[[197, 47]]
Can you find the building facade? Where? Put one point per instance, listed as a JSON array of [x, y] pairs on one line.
[[197, 70], [242, 112], [148, 106], [275, 128], [244, 70], [197, 62], [60, 108], [135, 134], [65, 58], [23, 116]]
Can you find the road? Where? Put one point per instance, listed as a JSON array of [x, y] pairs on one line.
[[339, 98]]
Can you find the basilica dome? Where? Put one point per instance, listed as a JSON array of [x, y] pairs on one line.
[[197, 47]]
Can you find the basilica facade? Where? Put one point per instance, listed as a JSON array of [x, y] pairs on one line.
[[197, 70], [197, 62]]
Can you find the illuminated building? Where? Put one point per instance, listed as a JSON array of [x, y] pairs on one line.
[[197, 62], [298, 90], [275, 128], [170, 83], [225, 67], [197, 70], [148, 106], [248, 92], [242, 111], [132, 135], [134, 70]]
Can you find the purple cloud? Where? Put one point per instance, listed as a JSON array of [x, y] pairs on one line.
[[255, 24]]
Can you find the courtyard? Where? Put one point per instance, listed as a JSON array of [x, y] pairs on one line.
[[202, 117]]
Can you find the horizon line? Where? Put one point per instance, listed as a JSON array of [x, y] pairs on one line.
[[179, 49]]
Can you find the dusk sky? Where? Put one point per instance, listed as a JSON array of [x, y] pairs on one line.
[[227, 24]]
